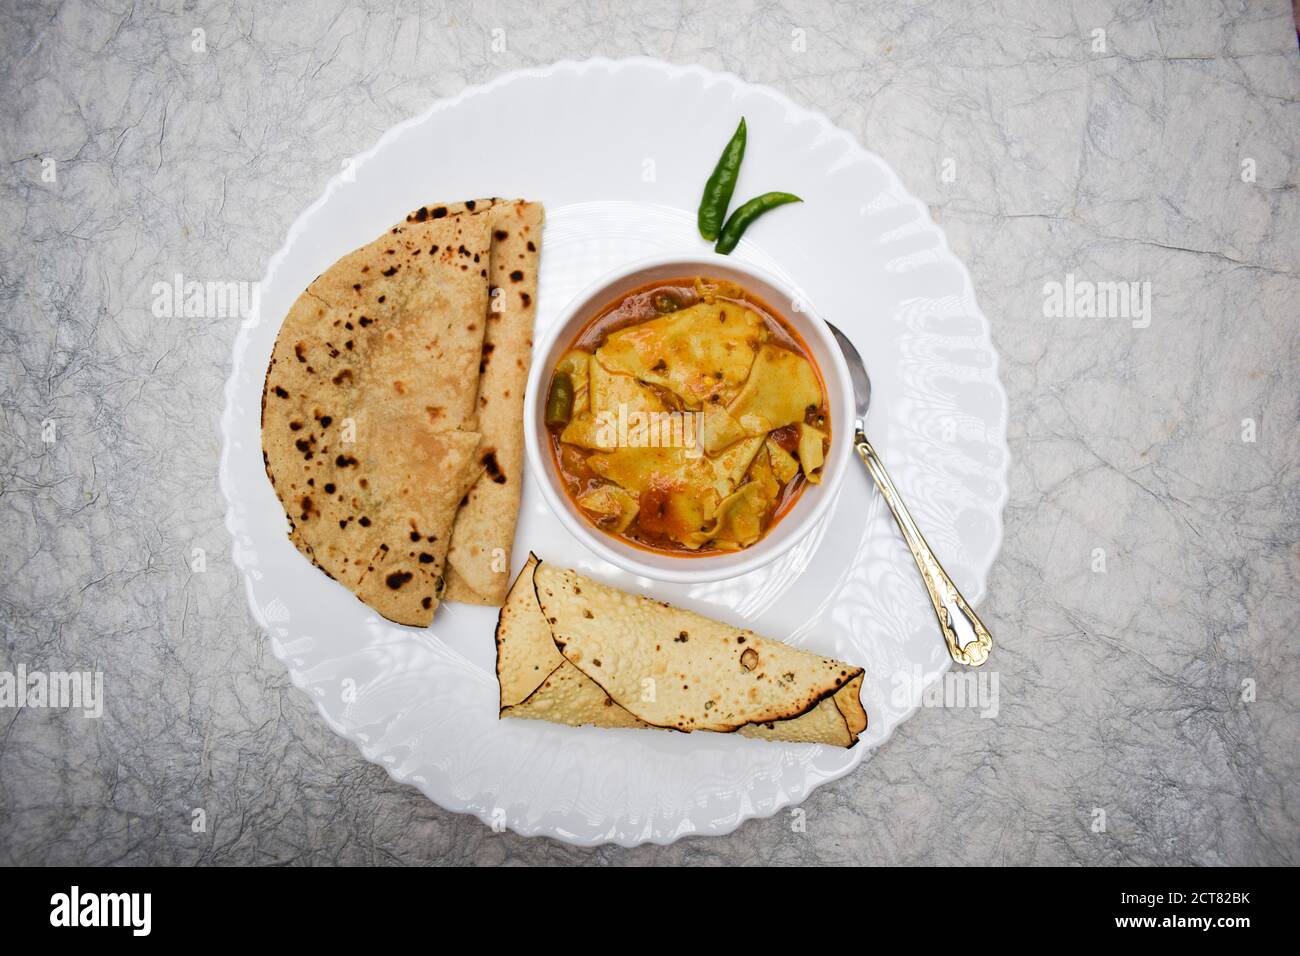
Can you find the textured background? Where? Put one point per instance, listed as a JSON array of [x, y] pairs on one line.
[[1120, 691]]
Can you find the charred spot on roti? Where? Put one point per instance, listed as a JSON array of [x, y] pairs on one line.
[[426, 558], [280, 392], [517, 276], [397, 579], [492, 466]]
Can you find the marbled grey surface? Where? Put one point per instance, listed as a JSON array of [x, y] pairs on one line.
[[1121, 691]]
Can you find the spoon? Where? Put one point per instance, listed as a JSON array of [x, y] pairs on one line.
[[967, 638]]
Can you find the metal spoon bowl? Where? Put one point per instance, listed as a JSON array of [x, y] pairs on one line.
[[967, 638]]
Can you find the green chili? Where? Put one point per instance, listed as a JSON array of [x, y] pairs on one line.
[[718, 190], [742, 217], [559, 402]]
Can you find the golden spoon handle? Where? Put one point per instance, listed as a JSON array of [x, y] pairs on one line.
[[954, 614]]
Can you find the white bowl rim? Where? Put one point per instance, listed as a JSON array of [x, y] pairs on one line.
[[797, 523]]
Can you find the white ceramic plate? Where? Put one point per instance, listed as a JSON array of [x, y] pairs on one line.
[[618, 151]]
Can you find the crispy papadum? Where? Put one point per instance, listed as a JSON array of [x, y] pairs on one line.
[[369, 427], [536, 681], [479, 559], [574, 651]]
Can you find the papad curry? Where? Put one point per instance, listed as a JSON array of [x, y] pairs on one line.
[[686, 417], [573, 651]]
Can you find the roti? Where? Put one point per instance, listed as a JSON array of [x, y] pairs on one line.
[[484, 532], [370, 431]]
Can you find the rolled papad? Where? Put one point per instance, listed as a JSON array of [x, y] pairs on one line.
[[573, 651], [484, 532], [369, 431]]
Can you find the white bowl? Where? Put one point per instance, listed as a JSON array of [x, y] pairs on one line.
[[815, 499]]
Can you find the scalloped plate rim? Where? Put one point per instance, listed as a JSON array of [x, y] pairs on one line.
[[814, 778]]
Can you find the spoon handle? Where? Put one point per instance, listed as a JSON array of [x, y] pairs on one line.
[[954, 614]]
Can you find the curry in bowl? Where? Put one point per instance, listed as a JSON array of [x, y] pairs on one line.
[[687, 417]]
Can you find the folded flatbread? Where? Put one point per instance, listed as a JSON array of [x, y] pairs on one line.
[[481, 541], [369, 413], [574, 651]]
